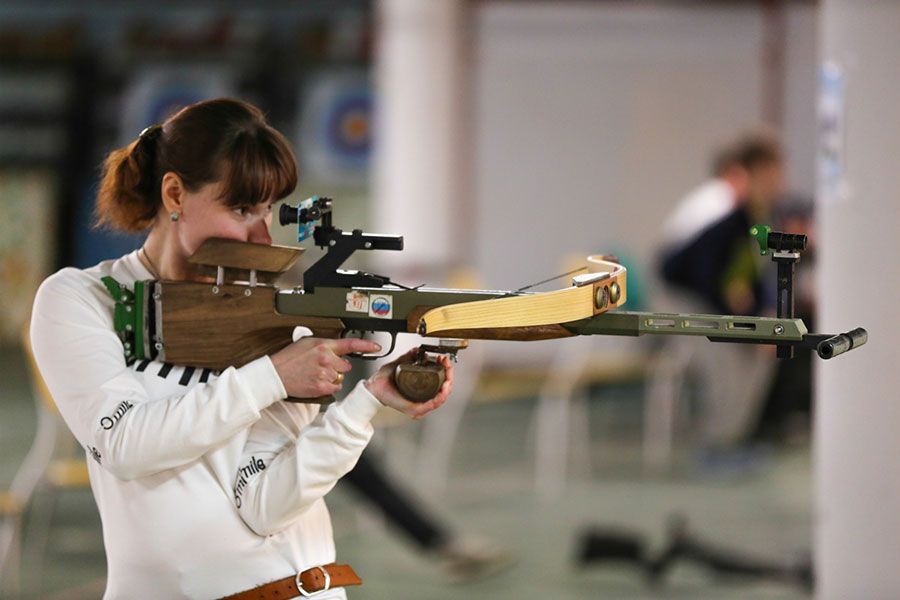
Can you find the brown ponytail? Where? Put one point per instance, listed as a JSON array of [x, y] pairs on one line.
[[127, 199], [216, 140]]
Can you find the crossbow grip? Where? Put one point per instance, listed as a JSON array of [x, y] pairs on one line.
[[419, 382], [842, 343]]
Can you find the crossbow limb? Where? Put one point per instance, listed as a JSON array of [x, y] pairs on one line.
[[591, 294]]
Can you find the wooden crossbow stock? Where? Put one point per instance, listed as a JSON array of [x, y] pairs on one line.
[[242, 315]]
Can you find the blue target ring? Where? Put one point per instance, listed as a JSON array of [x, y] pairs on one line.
[[348, 127]]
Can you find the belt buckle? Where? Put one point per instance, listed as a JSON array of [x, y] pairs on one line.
[[306, 594]]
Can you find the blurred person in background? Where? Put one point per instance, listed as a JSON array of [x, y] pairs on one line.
[[208, 484], [710, 265], [707, 250]]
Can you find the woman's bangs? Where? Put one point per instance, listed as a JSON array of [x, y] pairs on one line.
[[261, 168]]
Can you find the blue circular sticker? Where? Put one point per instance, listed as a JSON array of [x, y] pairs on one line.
[[381, 307]]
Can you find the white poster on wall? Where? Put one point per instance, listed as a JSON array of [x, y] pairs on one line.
[[832, 182]]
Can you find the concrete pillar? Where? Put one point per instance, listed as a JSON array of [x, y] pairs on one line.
[[857, 423], [421, 167]]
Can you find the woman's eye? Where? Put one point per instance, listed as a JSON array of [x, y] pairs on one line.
[[240, 210]]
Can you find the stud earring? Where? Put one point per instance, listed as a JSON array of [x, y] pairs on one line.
[[175, 215]]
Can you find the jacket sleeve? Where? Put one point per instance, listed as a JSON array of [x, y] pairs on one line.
[[699, 266], [285, 467], [106, 406]]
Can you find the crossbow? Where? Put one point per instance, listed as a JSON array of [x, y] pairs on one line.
[[240, 314]]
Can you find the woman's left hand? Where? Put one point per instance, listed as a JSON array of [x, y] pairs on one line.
[[381, 385]]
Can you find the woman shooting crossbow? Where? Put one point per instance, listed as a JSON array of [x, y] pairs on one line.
[[209, 484]]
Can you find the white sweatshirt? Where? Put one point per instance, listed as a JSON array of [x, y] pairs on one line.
[[207, 483]]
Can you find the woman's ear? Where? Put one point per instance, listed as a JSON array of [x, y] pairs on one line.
[[172, 193]]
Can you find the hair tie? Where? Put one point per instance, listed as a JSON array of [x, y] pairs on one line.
[[150, 133]]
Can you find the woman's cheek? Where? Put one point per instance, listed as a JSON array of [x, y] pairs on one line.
[[213, 229], [228, 228]]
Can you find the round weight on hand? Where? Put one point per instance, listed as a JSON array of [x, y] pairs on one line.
[[419, 383]]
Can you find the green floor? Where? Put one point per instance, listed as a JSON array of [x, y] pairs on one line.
[[490, 493]]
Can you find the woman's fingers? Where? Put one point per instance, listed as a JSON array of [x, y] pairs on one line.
[[311, 367], [336, 363], [347, 345], [330, 360], [448, 370]]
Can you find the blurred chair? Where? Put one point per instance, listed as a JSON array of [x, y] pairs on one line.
[[666, 374], [561, 411], [54, 463], [11, 510], [729, 381], [561, 422]]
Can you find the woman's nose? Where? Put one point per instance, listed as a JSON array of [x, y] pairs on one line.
[[259, 233]]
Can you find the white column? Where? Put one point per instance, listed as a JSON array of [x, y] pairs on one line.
[[857, 427], [420, 164]]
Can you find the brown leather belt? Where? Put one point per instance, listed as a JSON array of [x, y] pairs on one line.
[[306, 584]]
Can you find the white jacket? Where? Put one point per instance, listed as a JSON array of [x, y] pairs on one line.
[[207, 484]]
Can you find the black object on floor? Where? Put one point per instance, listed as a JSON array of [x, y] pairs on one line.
[[604, 545]]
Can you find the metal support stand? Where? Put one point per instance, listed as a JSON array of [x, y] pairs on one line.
[[786, 249], [339, 246], [786, 262]]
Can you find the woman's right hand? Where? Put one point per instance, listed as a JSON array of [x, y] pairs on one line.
[[309, 367]]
